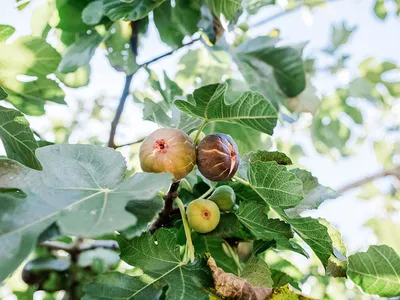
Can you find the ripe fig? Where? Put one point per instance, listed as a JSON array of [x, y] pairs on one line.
[[168, 150], [194, 134], [203, 215], [218, 157], [224, 197]]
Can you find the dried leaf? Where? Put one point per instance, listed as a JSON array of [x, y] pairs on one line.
[[229, 285]]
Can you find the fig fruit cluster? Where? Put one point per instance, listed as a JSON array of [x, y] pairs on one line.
[[217, 158], [173, 151]]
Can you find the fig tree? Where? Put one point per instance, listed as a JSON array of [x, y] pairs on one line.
[[224, 197], [218, 157], [203, 215], [168, 150]]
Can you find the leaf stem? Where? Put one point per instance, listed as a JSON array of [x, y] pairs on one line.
[[187, 229], [200, 130], [234, 257], [209, 191], [242, 181]]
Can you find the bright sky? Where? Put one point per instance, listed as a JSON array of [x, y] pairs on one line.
[[372, 38]]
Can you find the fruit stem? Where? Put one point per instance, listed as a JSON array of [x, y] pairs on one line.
[[234, 257], [201, 128], [242, 181], [187, 229], [206, 194]]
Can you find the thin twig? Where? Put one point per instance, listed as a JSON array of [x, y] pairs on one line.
[[390, 172], [131, 143], [286, 12], [125, 93], [164, 217]]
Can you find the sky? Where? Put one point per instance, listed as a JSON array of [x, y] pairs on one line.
[[372, 38]]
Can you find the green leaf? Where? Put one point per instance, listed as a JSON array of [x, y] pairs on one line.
[[118, 50], [376, 271], [199, 67], [384, 229], [70, 15], [17, 138], [253, 216], [257, 272], [314, 193], [174, 23], [340, 36], [79, 53], [228, 8], [116, 286], [275, 184], [93, 12], [161, 261], [5, 32], [262, 156], [214, 246], [380, 9], [38, 59], [337, 263], [81, 187], [314, 234], [229, 226], [30, 97], [250, 110], [76, 79], [3, 94], [129, 10], [286, 62]]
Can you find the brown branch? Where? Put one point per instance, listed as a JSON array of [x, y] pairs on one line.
[[131, 143], [81, 247], [286, 12], [390, 172], [165, 216], [125, 92]]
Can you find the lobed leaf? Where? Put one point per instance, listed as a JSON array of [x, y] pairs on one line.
[[82, 188], [129, 10], [5, 32], [159, 257], [17, 137], [250, 110]]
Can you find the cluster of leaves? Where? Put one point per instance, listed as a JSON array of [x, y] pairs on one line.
[[86, 190]]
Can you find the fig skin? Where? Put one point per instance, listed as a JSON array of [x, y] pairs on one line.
[[225, 198], [168, 150], [193, 136], [218, 157], [203, 215]]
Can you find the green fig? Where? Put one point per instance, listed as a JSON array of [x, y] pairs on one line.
[[224, 197], [203, 215], [168, 150]]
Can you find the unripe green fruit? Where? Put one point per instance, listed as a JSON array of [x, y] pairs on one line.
[[168, 150], [224, 197], [203, 215], [218, 157], [194, 134]]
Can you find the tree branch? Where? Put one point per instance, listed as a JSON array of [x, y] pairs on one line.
[[286, 12], [165, 216], [390, 172], [125, 92], [131, 143], [81, 247]]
